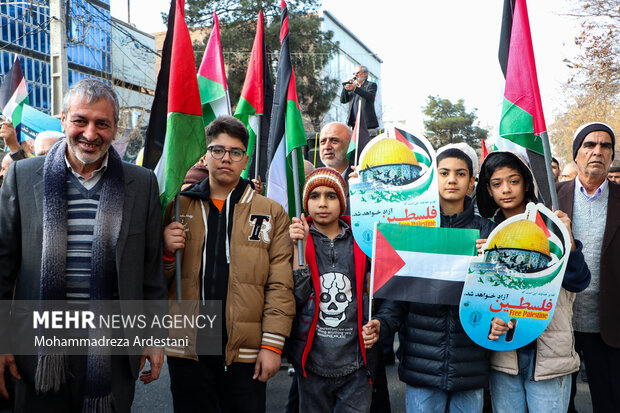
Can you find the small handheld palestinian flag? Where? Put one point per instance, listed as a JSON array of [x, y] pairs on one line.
[[13, 95]]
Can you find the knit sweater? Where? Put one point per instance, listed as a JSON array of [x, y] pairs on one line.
[[81, 212], [589, 220]]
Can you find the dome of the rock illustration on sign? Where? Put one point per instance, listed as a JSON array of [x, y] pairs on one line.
[[521, 245], [391, 162]]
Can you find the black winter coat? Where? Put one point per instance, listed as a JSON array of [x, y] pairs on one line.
[[435, 350]]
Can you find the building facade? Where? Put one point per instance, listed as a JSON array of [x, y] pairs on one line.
[[98, 46]]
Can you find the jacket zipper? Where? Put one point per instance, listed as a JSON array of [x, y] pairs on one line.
[[217, 251], [445, 361]]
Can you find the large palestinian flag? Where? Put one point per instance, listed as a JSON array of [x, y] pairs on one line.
[[13, 95], [254, 107], [184, 141], [212, 78], [287, 130], [421, 264], [522, 126]]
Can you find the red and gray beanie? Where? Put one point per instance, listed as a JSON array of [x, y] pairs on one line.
[[586, 129], [326, 177]]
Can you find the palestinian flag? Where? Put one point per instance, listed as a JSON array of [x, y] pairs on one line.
[[420, 264], [360, 137], [287, 130], [14, 94], [212, 78], [522, 125], [254, 107], [184, 141]]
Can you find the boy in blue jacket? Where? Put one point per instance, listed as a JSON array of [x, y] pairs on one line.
[[445, 371]]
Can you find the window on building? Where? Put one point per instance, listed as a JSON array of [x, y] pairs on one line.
[[45, 73], [37, 71], [45, 105], [37, 96], [28, 67]]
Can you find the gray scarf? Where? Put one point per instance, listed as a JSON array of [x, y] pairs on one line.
[[51, 368]]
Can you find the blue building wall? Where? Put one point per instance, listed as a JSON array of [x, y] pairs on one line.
[[24, 31]]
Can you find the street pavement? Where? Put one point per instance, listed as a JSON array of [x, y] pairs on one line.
[[156, 397]]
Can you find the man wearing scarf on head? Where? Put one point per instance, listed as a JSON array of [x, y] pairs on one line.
[[80, 224]]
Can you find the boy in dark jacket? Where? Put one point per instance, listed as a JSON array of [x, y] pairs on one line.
[[445, 371], [326, 344]]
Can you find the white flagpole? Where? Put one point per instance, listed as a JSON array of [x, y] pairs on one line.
[[257, 146], [357, 130], [549, 171], [228, 103], [177, 253], [300, 243], [372, 273]]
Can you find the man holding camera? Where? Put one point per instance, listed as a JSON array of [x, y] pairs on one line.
[[359, 88]]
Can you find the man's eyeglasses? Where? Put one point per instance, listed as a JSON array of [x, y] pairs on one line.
[[218, 152]]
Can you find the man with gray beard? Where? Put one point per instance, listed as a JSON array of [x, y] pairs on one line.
[[82, 225], [592, 204]]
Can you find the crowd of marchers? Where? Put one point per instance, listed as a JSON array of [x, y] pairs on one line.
[[78, 223]]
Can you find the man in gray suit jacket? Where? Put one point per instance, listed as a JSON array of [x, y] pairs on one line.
[[80, 224]]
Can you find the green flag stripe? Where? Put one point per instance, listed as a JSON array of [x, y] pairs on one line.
[[517, 125], [16, 117], [555, 249], [295, 133], [251, 142], [208, 115], [210, 90], [183, 153], [422, 159], [351, 148], [447, 241], [244, 108], [290, 183]]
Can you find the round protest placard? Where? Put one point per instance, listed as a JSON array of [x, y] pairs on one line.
[[517, 278], [396, 184]]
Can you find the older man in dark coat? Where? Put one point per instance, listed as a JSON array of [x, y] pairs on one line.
[[592, 203], [79, 224]]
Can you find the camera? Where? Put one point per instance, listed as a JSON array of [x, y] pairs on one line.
[[348, 82]]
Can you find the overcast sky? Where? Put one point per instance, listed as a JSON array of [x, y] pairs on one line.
[[441, 47]]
